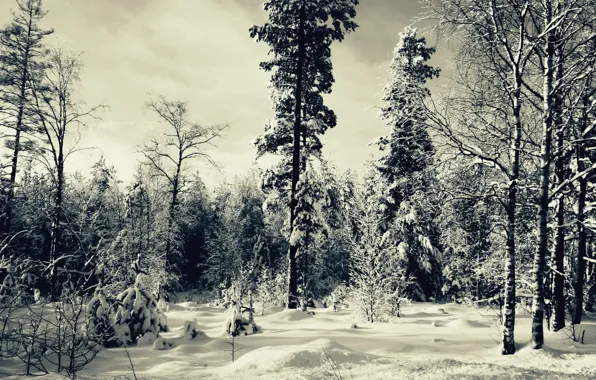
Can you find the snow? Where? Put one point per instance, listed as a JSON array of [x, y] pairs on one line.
[[431, 341], [290, 316]]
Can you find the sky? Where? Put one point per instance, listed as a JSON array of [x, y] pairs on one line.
[[199, 51]]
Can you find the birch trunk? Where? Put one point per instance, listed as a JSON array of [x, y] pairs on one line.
[[545, 155]]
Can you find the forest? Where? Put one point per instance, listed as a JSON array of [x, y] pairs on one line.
[[480, 195]]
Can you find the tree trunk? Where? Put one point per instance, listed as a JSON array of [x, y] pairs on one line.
[[304, 247], [558, 299], [545, 153], [558, 295], [18, 128], [509, 301], [561, 165], [172, 213], [292, 302], [579, 262], [56, 230], [591, 278]]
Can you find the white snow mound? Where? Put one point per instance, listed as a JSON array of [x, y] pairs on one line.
[[290, 315], [315, 354], [464, 324]]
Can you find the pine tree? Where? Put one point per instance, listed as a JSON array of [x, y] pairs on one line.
[[408, 150], [22, 60], [300, 34], [309, 225], [139, 241], [407, 153]]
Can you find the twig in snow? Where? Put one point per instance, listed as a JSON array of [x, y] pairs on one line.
[[132, 366]]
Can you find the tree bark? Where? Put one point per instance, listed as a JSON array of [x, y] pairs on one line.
[[292, 302], [545, 153], [579, 262], [558, 299], [172, 212], [509, 302], [56, 229]]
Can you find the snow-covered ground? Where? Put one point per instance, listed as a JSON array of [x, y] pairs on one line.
[[430, 341]]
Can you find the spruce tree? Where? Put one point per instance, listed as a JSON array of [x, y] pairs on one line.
[[407, 153], [300, 34], [408, 150]]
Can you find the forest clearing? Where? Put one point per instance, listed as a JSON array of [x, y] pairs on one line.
[[429, 341], [376, 189]]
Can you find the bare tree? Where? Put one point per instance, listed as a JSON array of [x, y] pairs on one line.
[[564, 65], [494, 35], [183, 142], [61, 115]]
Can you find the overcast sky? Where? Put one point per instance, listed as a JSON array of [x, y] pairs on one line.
[[200, 51]]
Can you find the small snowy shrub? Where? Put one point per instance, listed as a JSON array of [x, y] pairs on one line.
[[338, 297], [15, 289], [148, 338], [236, 324], [268, 290], [191, 330], [161, 344], [138, 310], [99, 313], [395, 303]]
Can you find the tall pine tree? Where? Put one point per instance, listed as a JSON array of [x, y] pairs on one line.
[[407, 153], [21, 61], [300, 34]]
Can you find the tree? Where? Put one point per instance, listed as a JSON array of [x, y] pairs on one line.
[[407, 153], [309, 225], [370, 261], [408, 150], [564, 64], [22, 60], [184, 142], [240, 237], [467, 224], [137, 243], [495, 38], [584, 133], [60, 115], [299, 34], [195, 227]]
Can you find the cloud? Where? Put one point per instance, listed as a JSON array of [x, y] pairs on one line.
[[200, 52]]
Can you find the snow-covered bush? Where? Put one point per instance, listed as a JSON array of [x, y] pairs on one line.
[[369, 275], [138, 310], [147, 338], [271, 289], [338, 297], [395, 302], [191, 330], [100, 319], [16, 287], [236, 323], [400, 286], [161, 344]]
